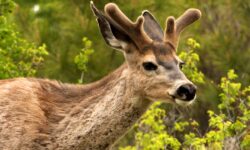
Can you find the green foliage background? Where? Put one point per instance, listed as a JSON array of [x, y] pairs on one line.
[[59, 39]]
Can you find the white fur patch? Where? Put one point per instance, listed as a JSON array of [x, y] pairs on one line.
[[184, 103], [114, 42]]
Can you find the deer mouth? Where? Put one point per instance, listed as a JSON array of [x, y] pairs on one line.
[[182, 102]]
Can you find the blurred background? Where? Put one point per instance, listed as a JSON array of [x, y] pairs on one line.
[[223, 34]]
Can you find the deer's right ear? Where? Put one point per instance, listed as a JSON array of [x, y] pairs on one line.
[[111, 34]]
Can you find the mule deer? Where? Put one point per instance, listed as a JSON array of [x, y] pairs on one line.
[[44, 114]]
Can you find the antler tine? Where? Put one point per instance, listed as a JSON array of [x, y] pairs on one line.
[[134, 30], [116, 14], [190, 16], [170, 30], [175, 27]]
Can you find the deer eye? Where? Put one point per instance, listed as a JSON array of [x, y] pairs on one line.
[[181, 64], [149, 66]]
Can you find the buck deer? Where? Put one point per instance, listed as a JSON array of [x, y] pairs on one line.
[[44, 114]]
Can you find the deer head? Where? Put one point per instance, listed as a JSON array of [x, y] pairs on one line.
[[150, 53]]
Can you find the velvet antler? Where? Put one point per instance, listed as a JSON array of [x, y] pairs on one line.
[[175, 27], [133, 29]]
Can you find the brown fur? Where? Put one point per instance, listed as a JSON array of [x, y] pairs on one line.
[[44, 114]]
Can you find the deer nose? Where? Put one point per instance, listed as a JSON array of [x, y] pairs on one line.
[[186, 92]]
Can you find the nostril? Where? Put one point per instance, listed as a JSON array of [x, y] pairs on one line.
[[182, 90], [186, 92]]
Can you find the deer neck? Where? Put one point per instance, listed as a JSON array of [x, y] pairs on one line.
[[103, 114]]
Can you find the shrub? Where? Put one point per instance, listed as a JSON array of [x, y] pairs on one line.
[[82, 58], [18, 57]]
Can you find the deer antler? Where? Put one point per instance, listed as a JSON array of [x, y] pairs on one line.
[[134, 30], [175, 27]]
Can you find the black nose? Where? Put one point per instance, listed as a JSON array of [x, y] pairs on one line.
[[186, 92]]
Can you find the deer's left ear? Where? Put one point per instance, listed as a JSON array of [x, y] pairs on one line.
[[111, 34], [151, 27]]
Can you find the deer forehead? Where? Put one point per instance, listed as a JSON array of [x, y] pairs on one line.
[[159, 53]]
